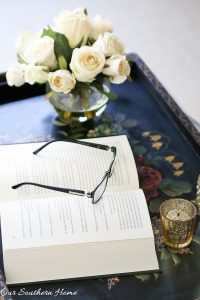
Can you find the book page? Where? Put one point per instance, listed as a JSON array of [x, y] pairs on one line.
[[119, 215], [65, 165]]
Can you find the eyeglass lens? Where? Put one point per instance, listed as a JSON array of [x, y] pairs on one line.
[[100, 190]]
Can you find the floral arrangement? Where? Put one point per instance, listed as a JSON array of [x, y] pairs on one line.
[[77, 52]]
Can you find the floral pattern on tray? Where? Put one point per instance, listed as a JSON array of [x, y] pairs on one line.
[[167, 163], [160, 172]]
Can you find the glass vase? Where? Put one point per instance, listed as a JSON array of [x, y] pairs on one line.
[[80, 106]]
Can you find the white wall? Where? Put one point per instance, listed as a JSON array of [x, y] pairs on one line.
[[166, 34]]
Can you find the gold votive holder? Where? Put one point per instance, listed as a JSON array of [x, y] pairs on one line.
[[178, 220]]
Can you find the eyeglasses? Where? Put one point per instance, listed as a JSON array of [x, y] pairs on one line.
[[97, 193]]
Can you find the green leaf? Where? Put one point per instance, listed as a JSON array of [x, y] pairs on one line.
[[59, 123], [48, 32], [143, 277], [119, 118], [165, 254], [176, 259], [61, 44], [151, 162], [156, 275], [84, 98], [130, 123], [62, 62], [20, 59], [196, 239], [110, 95], [82, 85], [135, 142], [50, 94], [175, 188], [76, 135], [63, 133], [98, 84], [167, 261], [139, 150], [77, 129], [85, 11], [155, 205]]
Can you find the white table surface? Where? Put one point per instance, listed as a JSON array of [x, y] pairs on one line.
[[165, 33]]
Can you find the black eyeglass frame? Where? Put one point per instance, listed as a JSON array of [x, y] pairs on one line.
[[107, 175]]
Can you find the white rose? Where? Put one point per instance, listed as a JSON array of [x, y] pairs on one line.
[[61, 81], [100, 25], [23, 41], [75, 25], [109, 44], [41, 52], [117, 68], [86, 63], [34, 74], [79, 10], [15, 75]]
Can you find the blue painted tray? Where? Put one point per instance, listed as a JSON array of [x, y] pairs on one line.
[[166, 147]]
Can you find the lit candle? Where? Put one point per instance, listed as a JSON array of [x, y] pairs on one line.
[[177, 214], [177, 218]]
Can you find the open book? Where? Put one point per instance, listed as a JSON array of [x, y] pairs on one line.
[[49, 235]]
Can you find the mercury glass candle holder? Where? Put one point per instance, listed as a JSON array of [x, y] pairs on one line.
[[178, 220]]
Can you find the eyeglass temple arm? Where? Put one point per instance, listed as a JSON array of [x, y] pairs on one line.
[[114, 151], [58, 189], [94, 145]]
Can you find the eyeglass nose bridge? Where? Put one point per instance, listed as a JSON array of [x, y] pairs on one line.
[[89, 194], [108, 173]]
